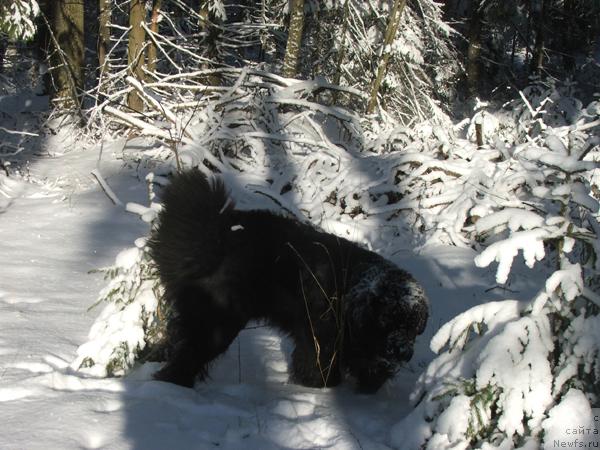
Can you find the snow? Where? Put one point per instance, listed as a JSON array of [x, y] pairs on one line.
[[127, 258], [454, 421], [531, 242], [517, 361], [571, 423], [514, 218], [58, 227], [492, 314], [566, 163]]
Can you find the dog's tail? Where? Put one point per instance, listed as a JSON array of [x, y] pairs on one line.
[[187, 242]]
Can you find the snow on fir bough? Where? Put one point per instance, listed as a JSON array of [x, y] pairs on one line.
[[129, 319], [17, 18]]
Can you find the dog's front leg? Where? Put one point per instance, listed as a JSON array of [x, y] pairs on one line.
[[202, 330]]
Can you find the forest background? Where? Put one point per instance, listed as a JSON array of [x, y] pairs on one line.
[[470, 123]]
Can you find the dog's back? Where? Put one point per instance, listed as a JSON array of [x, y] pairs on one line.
[[188, 240]]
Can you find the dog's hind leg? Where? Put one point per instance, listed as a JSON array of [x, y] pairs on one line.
[[201, 331]]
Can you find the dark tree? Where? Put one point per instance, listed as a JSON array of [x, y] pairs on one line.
[[390, 35], [66, 50], [135, 50], [294, 42]]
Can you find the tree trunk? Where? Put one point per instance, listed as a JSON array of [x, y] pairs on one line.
[[42, 46], [537, 60], [474, 49], [209, 42], [294, 42], [390, 35], [67, 61], [135, 51], [337, 77], [152, 55], [2, 53], [104, 8], [204, 17], [342, 52]]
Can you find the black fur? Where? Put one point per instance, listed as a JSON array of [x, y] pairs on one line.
[[347, 309]]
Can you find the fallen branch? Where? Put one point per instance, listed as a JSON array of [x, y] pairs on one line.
[[145, 128], [106, 188]]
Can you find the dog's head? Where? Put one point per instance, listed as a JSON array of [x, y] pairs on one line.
[[385, 310]]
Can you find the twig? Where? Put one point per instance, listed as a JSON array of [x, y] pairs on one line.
[[106, 188], [325, 373], [334, 111], [586, 126], [145, 128], [24, 133]]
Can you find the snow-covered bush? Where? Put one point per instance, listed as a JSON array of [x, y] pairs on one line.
[[17, 18], [129, 323], [451, 184], [508, 369]]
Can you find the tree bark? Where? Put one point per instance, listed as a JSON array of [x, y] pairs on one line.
[[209, 42], [104, 8], [337, 77], [342, 52], [569, 30], [67, 61], [152, 55], [537, 60], [390, 35], [294, 42], [135, 51], [474, 49]]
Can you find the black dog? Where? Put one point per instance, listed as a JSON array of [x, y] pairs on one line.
[[347, 310]]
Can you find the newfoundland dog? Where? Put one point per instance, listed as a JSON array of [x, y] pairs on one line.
[[347, 309]]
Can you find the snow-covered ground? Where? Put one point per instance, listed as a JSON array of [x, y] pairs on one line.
[[56, 225]]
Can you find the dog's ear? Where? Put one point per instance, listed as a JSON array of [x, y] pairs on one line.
[[386, 298], [411, 312], [419, 313], [401, 300]]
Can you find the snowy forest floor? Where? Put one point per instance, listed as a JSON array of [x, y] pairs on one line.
[[57, 225]]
